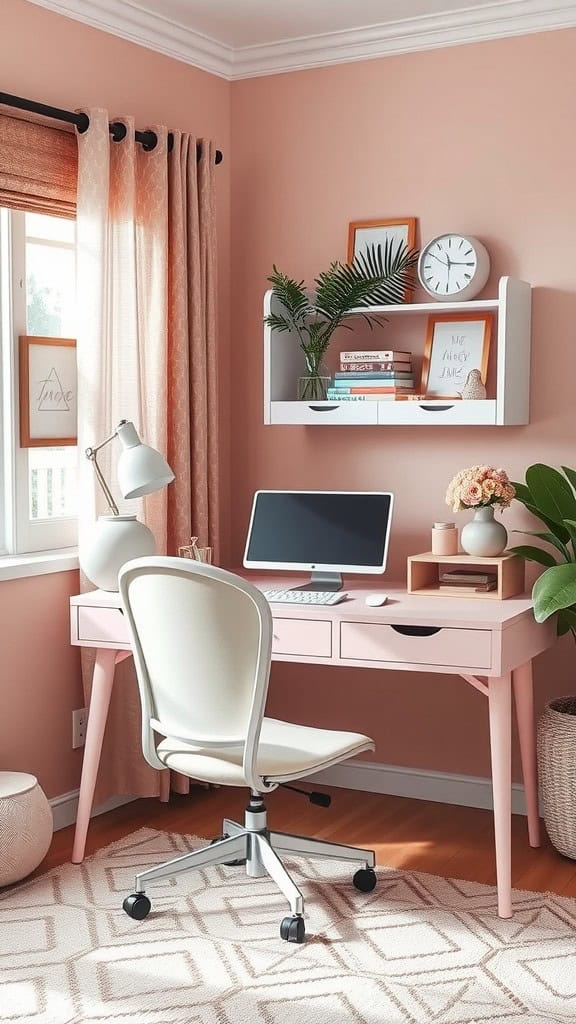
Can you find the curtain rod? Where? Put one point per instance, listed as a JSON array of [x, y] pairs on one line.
[[82, 121]]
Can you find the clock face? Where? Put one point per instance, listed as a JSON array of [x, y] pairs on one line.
[[448, 265]]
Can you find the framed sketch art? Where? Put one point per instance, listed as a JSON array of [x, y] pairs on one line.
[[455, 344], [48, 392]]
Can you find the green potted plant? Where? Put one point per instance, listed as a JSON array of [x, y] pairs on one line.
[[376, 276], [550, 495]]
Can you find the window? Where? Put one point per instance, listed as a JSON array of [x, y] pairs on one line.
[[37, 297]]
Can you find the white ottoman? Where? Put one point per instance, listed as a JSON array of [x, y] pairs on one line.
[[26, 826]]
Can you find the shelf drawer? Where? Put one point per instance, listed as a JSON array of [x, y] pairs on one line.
[[436, 413], [305, 637], [102, 625], [367, 641], [319, 413]]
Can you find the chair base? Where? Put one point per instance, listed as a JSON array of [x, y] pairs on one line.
[[260, 850]]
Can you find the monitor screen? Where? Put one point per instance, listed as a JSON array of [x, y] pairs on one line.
[[340, 530]]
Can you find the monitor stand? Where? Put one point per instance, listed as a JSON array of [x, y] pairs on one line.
[[328, 581]]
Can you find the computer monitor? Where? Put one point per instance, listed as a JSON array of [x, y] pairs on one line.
[[325, 532]]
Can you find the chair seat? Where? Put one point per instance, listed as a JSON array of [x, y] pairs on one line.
[[285, 752]]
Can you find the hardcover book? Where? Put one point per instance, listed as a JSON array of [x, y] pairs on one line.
[[357, 374], [379, 356], [376, 366], [337, 395], [378, 390]]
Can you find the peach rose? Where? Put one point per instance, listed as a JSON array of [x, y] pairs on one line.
[[472, 495]]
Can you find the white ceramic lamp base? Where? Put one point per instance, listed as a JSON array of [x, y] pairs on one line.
[[112, 541]]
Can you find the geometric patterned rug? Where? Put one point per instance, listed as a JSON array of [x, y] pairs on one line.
[[419, 949]]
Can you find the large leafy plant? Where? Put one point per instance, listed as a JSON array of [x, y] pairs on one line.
[[550, 495], [377, 276]]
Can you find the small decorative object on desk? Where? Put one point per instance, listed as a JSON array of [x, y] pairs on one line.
[[192, 550], [473, 388], [444, 539], [481, 488]]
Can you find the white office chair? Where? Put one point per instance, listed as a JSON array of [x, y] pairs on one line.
[[202, 642]]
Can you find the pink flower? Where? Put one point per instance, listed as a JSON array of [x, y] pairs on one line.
[[472, 494]]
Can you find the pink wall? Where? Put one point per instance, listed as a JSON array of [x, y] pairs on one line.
[[474, 139], [55, 60]]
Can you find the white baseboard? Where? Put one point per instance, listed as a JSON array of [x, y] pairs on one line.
[[393, 780], [64, 807]]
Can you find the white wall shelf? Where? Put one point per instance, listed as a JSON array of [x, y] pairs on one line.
[[508, 375]]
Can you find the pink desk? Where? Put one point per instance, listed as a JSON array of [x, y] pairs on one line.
[[488, 643]]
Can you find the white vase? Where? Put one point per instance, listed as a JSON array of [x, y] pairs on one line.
[[112, 541], [483, 536]]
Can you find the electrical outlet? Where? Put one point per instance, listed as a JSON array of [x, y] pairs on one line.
[[79, 722]]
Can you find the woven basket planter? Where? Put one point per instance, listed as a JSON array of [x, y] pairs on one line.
[[557, 772]]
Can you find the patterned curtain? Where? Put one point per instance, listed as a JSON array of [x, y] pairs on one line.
[[146, 352]]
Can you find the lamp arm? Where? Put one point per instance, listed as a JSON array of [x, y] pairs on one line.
[[90, 454]]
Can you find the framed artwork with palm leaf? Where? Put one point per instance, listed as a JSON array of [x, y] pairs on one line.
[[398, 231]]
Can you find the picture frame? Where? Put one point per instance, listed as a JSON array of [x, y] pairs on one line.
[[455, 344], [362, 233], [48, 391]]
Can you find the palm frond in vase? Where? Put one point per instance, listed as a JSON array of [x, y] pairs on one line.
[[377, 276]]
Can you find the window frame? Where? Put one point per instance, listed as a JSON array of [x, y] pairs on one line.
[[21, 534]]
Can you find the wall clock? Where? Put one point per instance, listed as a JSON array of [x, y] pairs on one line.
[[453, 267]]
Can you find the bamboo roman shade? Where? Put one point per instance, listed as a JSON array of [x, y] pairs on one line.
[[38, 167]]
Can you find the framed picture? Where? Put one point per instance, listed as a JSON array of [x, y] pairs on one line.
[[48, 392], [455, 344], [364, 233]]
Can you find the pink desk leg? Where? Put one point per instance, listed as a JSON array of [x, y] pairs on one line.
[[524, 700], [500, 710], [102, 681]]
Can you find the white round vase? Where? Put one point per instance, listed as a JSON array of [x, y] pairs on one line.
[[112, 541], [25, 826], [483, 536]]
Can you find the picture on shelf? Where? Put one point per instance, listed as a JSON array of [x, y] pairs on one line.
[[455, 345], [362, 234]]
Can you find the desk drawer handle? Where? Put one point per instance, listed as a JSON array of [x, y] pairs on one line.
[[417, 630], [436, 408], [323, 408]]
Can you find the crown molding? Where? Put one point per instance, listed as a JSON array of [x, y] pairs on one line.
[[130, 21], [495, 20]]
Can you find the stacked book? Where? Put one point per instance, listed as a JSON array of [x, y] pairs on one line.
[[384, 375], [461, 581]]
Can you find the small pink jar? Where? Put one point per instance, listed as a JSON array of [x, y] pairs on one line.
[[444, 539]]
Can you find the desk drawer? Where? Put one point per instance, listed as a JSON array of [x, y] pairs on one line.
[[305, 637], [367, 641], [102, 625]]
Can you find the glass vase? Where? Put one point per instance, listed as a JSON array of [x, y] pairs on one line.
[[313, 387]]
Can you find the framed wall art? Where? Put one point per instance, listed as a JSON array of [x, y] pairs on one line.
[[455, 344], [48, 392], [364, 233]]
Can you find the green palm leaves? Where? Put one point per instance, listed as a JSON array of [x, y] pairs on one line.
[[377, 276]]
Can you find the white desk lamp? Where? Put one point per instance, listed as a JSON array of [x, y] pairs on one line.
[[116, 538]]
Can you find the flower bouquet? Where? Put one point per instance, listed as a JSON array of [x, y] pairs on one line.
[[481, 488]]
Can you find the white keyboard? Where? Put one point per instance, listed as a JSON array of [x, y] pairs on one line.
[[304, 596]]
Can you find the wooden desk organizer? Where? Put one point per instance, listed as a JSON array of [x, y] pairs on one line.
[[424, 570]]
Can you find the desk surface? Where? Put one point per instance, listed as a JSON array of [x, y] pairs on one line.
[[401, 607]]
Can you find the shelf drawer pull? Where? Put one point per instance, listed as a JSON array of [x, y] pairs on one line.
[[323, 408], [435, 408], [417, 630]]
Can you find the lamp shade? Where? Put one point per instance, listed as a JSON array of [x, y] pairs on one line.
[[141, 469]]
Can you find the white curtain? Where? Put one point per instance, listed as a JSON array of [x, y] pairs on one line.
[[122, 283]]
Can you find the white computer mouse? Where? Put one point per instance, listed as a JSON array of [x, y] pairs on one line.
[[376, 600]]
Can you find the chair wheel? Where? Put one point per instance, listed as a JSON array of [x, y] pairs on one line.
[[365, 879], [292, 929], [137, 906]]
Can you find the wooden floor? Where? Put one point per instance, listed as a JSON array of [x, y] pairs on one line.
[[456, 842]]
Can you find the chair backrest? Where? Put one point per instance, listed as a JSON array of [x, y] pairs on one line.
[[202, 642]]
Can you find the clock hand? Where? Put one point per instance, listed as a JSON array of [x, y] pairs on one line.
[[437, 258], [457, 264]]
